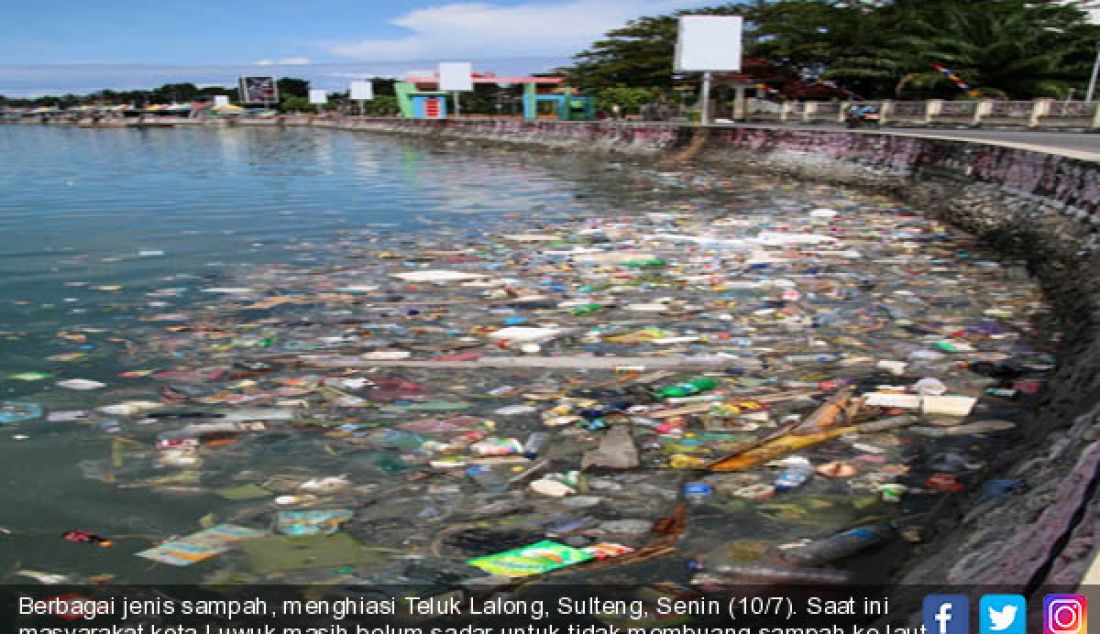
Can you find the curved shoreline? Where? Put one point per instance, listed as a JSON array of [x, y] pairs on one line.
[[1039, 206]]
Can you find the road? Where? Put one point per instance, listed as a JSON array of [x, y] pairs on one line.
[[1082, 145]]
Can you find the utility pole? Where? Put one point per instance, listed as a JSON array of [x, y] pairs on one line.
[[704, 117], [1092, 80]]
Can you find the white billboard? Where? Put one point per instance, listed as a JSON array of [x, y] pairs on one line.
[[318, 96], [707, 43], [362, 91], [221, 100], [456, 76]]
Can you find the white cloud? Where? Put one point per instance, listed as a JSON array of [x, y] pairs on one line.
[[283, 61], [482, 30]]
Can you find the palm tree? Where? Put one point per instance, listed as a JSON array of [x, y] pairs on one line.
[[1000, 51], [1003, 48]]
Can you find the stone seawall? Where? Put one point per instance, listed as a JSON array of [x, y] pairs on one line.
[[644, 139], [1040, 207]]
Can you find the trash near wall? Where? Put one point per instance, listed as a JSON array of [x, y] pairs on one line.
[[1040, 206], [739, 379]]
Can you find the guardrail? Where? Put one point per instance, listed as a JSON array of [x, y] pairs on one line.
[[1038, 113], [1046, 113]]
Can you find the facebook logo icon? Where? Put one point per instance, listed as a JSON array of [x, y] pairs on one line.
[[946, 614]]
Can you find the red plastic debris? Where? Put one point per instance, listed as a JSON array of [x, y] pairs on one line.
[[944, 482], [85, 537]]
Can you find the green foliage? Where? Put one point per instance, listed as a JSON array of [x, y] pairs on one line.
[[164, 94], [380, 106], [482, 100], [292, 87], [1013, 48], [294, 103], [630, 100], [383, 85], [1009, 48], [187, 92], [638, 54]]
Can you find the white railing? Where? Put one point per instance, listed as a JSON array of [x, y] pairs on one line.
[[1045, 113], [1035, 113]]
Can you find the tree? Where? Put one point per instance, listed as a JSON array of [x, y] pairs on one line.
[[482, 100], [168, 92], [383, 85], [638, 54], [381, 106], [806, 36], [294, 103], [1002, 48], [871, 48], [629, 100], [290, 86], [175, 93]]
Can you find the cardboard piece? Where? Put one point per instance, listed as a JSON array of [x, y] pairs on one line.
[[204, 544]]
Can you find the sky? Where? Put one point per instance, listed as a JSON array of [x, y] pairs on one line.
[[56, 46]]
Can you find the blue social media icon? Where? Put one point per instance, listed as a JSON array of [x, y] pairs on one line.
[[1002, 614], [946, 614]]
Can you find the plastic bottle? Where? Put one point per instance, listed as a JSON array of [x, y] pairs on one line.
[[654, 262], [697, 492], [587, 309], [685, 461], [796, 473], [535, 443], [694, 386], [497, 447], [841, 545], [766, 573], [487, 479], [1002, 392], [811, 358]]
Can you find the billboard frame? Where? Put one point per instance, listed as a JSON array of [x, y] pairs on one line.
[[365, 84], [246, 91], [701, 47], [703, 37], [455, 78]]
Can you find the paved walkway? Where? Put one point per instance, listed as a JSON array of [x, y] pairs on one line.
[[1079, 145]]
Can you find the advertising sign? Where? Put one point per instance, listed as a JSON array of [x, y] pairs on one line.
[[456, 76], [259, 90], [706, 43], [362, 91]]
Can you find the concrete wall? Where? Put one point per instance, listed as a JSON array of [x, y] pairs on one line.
[[1038, 207], [628, 138], [1035, 206], [1067, 185]]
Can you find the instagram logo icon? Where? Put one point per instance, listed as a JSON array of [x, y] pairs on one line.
[[1065, 614]]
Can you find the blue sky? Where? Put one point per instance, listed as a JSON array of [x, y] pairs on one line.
[[69, 45]]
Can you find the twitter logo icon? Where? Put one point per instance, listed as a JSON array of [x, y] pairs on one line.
[[1002, 614]]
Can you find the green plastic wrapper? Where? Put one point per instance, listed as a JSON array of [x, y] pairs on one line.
[[535, 559]]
